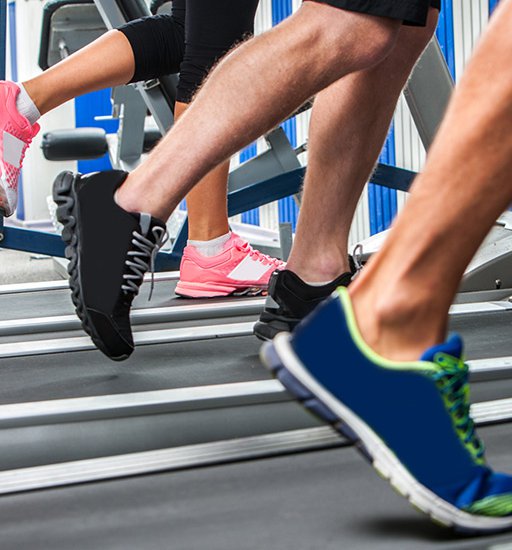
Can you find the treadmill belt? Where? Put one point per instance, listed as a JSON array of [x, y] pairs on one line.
[[162, 366], [324, 500], [485, 334]]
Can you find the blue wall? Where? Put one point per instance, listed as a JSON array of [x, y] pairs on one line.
[[287, 207], [492, 5], [86, 108], [382, 202]]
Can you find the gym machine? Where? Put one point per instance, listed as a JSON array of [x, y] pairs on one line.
[[194, 397]]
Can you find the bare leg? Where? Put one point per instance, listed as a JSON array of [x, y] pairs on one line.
[[245, 96], [106, 62], [206, 203], [402, 299], [349, 123]]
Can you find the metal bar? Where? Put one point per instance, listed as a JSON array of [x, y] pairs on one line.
[[393, 177], [81, 471], [50, 244], [490, 369], [265, 192], [214, 310], [201, 455], [492, 412], [276, 160], [111, 14], [102, 407], [428, 92], [30, 240], [480, 307], [285, 239], [167, 336], [19, 288]]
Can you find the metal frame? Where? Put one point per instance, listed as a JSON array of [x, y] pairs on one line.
[[23, 288], [144, 316], [201, 455], [178, 458], [144, 338], [181, 400], [215, 309], [428, 92]]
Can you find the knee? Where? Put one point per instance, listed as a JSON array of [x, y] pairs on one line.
[[357, 40], [371, 51]]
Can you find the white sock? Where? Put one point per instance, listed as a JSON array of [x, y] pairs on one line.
[[212, 247], [26, 106], [318, 284]]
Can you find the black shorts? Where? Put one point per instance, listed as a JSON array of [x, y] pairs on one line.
[[411, 12]]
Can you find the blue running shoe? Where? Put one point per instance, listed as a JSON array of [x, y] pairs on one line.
[[410, 420]]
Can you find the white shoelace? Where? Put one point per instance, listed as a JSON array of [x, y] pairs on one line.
[[142, 260]]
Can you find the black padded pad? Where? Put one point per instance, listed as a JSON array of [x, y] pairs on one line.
[[76, 144], [151, 138]]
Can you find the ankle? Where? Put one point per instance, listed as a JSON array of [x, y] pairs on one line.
[[398, 324], [130, 197], [318, 270], [126, 199], [26, 104], [206, 232]]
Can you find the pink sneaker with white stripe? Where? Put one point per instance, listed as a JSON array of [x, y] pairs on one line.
[[238, 270], [16, 134]]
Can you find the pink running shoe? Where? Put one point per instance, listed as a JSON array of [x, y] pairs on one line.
[[238, 270], [16, 134]]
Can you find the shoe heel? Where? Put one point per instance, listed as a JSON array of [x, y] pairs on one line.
[[63, 197], [271, 359], [62, 193]]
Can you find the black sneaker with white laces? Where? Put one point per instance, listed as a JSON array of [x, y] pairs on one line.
[[290, 299], [109, 250]]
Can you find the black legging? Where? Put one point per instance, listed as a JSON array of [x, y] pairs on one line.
[[190, 41]]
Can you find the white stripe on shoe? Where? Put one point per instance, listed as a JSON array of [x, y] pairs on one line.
[[13, 150], [248, 270]]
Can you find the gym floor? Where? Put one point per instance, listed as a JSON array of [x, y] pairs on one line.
[[21, 267]]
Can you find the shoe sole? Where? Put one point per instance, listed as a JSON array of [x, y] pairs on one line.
[[268, 329], [67, 214], [265, 332], [200, 290], [284, 364]]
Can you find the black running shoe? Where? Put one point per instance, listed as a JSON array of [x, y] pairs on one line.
[[289, 300], [109, 251]]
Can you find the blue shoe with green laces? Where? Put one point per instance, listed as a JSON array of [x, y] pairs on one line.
[[410, 420]]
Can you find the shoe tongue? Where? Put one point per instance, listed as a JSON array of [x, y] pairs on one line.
[[145, 223], [453, 346]]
